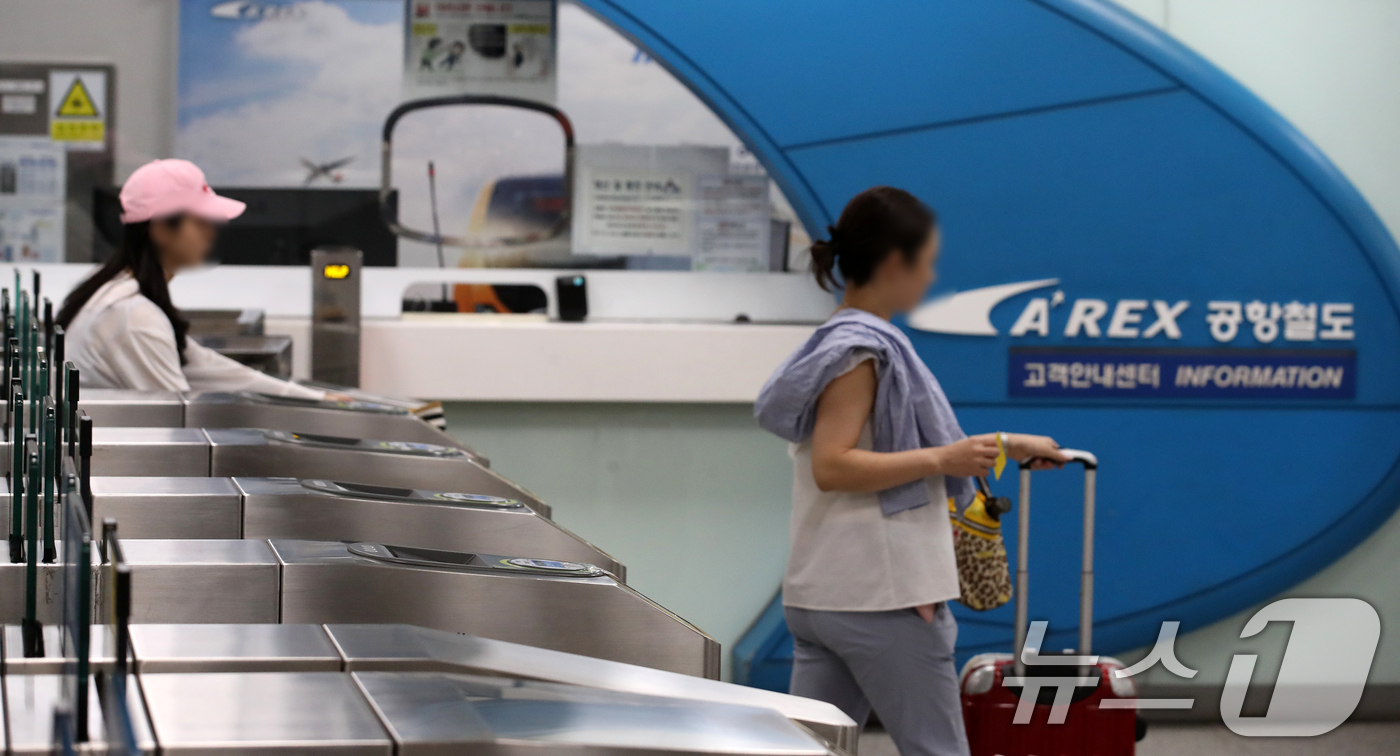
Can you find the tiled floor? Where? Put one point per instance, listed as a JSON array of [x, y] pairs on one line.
[[1354, 739]]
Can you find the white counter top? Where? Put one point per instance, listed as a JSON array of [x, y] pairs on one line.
[[626, 352], [528, 359]]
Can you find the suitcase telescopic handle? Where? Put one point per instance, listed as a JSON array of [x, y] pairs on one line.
[[1086, 574]]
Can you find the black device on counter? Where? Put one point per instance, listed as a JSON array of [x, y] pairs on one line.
[[572, 295]]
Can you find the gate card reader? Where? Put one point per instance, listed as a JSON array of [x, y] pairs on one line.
[[470, 562], [200, 452], [120, 408], [555, 604], [543, 603]]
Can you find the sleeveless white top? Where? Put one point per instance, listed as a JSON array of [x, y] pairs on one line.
[[846, 555]]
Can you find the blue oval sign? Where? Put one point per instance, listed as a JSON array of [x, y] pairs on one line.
[[1140, 258]]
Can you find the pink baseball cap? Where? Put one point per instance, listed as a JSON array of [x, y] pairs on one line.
[[163, 188]]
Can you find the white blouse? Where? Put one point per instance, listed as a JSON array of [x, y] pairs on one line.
[[122, 340], [846, 555]]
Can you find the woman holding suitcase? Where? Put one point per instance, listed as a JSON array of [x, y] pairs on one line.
[[877, 453]]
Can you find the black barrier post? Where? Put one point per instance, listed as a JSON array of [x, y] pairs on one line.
[[49, 475], [60, 383], [16, 476], [48, 326], [70, 376], [32, 631], [33, 392], [85, 450]]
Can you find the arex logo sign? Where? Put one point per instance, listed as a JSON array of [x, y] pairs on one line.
[[1087, 371]]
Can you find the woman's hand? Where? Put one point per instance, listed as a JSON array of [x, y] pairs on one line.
[[1042, 451], [969, 457]]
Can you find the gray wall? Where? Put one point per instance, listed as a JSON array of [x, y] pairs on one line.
[[138, 36]]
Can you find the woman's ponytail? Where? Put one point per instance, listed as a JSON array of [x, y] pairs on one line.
[[876, 222], [824, 260]]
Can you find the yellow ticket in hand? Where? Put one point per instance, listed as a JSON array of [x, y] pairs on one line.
[[1000, 463]]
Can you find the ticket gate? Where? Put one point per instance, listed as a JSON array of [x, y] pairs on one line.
[[249, 409], [230, 452], [12, 590], [166, 649], [403, 714], [432, 713], [320, 509], [30, 700], [564, 606]]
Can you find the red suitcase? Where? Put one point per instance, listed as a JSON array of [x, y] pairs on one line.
[[992, 683]]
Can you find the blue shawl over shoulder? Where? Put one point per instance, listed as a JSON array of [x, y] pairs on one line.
[[910, 411]]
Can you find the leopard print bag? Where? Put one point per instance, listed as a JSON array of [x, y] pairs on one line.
[[983, 572]]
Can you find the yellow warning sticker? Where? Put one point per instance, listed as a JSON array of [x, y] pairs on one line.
[[77, 108], [77, 103], [77, 131]]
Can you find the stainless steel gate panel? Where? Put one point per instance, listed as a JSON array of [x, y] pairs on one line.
[[354, 419], [49, 597], [437, 714], [208, 581], [170, 507], [121, 408], [328, 510], [232, 714], [150, 451], [52, 662], [29, 703], [407, 648], [233, 648], [578, 612], [250, 452]]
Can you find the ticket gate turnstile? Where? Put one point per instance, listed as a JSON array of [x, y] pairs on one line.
[[432, 713], [251, 452], [405, 714], [164, 649], [249, 409], [570, 607], [30, 701], [319, 509]]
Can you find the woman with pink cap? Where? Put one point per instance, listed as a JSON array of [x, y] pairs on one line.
[[123, 331]]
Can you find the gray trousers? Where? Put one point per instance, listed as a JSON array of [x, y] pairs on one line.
[[893, 661]]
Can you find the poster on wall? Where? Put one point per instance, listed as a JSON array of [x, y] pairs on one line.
[[57, 132], [487, 48], [287, 94], [670, 201], [635, 212], [732, 224], [33, 175]]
